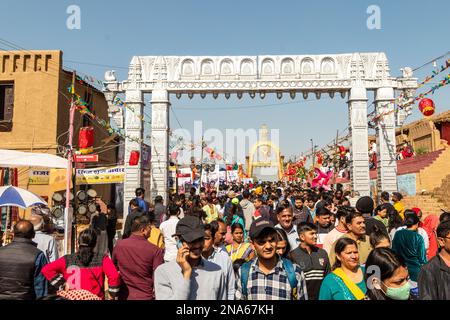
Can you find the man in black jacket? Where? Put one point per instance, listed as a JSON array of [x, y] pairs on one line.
[[311, 259], [21, 263], [434, 277], [301, 213]]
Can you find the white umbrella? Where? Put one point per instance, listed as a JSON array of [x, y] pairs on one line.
[[18, 197], [16, 159]]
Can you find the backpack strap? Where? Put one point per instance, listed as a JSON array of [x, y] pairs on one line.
[[245, 271], [290, 271]]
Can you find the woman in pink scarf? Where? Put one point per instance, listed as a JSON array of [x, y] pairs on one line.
[[429, 225]]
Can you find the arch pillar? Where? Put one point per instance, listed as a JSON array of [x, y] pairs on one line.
[[133, 128], [160, 144], [359, 162], [386, 145]]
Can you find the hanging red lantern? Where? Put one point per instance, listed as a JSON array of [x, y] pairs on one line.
[[134, 158], [342, 152], [86, 140], [426, 106], [319, 158]]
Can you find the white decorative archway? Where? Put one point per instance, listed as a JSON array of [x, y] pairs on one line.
[[353, 73]]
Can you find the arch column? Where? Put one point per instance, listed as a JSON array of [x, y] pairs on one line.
[[385, 133], [160, 144], [359, 163], [133, 128]]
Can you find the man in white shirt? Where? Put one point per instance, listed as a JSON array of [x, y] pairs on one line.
[[167, 229], [339, 230], [45, 242], [285, 218]]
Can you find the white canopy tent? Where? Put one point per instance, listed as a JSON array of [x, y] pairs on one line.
[[15, 159]]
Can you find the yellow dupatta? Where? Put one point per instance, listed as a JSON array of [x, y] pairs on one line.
[[354, 289]]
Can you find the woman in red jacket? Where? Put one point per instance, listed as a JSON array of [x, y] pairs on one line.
[[85, 269], [430, 225]]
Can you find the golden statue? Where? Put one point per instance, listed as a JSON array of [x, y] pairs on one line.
[[264, 145]]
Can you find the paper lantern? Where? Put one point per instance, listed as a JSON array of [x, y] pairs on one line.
[[86, 139], [319, 158], [426, 106], [134, 158], [342, 152]]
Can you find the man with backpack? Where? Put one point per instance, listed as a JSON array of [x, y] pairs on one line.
[[269, 276]]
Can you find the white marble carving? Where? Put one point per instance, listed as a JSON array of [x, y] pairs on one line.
[[329, 73]]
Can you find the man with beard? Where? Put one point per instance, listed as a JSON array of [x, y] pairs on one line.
[[324, 224], [357, 231], [300, 211]]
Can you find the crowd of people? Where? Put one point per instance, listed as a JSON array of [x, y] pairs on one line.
[[271, 241]]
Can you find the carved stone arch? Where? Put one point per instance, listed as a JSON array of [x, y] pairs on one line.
[[247, 67], [287, 66], [327, 66], [207, 67], [307, 66], [267, 66], [188, 68], [226, 67]]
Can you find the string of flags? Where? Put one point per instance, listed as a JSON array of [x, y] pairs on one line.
[[117, 101], [420, 96], [441, 84], [82, 107], [120, 103], [435, 73], [89, 79], [181, 145]]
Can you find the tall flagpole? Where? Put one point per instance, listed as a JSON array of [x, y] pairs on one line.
[[67, 212]]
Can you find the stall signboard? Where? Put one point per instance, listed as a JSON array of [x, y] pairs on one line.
[[184, 179], [100, 175], [232, 176], [39, 177], [85, 158]]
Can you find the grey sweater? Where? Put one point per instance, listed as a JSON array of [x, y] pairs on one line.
[[207, 282]]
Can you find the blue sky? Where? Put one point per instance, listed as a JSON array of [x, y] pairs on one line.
[[412, 33]]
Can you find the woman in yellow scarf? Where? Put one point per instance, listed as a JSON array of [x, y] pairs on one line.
[[346, 282], [239, 249]]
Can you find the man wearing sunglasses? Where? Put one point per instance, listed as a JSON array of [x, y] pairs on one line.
[[269, 276], [434, 278]]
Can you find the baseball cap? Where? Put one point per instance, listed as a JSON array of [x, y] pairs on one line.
[[190, 228], [365, 204], [235, 201], [258, 226]]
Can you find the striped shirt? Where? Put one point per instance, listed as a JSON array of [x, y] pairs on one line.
[[273, 286], [315, 266]]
